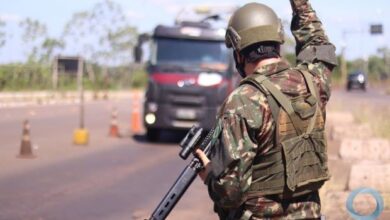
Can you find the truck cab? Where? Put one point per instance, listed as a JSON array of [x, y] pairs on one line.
[[190, 73]]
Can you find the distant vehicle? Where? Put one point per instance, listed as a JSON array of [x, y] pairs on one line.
[[190, 73], [357, 80]]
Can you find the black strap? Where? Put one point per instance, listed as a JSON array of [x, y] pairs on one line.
[[275, 109], [309, 81]]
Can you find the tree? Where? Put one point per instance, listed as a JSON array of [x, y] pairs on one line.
[[376, 67], [33, 34], [2, 33], [101, 34], [48, 46], [122, 42], [386, 59]]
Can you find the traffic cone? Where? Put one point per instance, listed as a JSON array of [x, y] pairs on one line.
[[135, 122], [114, 129], [25, 146]]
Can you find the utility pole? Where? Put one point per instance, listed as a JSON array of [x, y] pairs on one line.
[[81, 90], [55, 74], [81, 134], [343, 61], [343, 64]]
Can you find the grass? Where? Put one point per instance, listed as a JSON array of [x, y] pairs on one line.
[[377, 118], [37, 77]]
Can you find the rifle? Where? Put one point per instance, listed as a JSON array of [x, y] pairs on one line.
[[189, 144]]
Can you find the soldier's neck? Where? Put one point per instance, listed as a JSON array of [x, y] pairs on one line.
[[251, 67]]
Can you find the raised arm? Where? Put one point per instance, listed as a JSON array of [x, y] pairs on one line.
[[312, 44]]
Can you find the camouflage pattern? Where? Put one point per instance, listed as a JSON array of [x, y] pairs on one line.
[[271, 209], [246, 128]]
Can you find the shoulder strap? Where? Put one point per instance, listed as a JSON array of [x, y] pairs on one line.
[[284, 102], [271, 100], [309, 81]]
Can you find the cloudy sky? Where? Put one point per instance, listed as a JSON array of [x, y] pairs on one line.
[[339, 16]]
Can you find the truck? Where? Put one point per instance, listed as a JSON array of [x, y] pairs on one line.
[[190, 73]]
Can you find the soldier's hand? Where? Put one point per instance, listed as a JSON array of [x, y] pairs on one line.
[[206, 163]]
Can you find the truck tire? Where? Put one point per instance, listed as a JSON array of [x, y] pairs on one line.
[[349, 86], [152, 134], [363, 87]]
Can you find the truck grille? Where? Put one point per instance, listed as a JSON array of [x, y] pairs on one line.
[[187, 100]]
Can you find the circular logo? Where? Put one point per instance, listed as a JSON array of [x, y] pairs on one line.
[[379, 204]]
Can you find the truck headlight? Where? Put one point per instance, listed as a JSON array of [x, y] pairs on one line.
[[209, 79], [361, 78], [150, 118]]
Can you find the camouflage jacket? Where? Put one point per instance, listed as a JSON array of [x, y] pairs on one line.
[[245, 127]]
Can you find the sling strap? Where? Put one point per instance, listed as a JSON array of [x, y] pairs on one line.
[[283, 101]]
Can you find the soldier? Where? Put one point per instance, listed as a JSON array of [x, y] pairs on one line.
[[270, 156]]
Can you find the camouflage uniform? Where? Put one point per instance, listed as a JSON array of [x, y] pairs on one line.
[[246, 128]]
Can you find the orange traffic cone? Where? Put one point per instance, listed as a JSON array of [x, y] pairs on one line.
[[25, 146], [114, 129], [136, 115]]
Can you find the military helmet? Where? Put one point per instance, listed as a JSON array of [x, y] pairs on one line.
[[253, 23]]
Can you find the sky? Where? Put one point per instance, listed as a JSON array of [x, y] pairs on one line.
[[346, 21]]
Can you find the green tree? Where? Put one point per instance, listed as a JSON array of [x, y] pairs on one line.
[[101, 34], [33, 34], [48, 46], [385, 51], [376, 67]]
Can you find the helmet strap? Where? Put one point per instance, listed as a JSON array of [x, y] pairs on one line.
[[240, 64]]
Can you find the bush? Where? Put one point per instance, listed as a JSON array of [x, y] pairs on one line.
[[30, 76], [140, 78], [36, 76]]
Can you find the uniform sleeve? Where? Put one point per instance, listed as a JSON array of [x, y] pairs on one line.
[[231, 161], [312, 44], [313, 49]]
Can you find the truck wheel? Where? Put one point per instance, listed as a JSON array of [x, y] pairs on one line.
[[152, 134], [349, 86]]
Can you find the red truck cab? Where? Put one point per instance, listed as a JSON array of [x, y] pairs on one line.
[[190, 73]]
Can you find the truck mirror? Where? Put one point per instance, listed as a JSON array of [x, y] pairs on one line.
[[138, 52]]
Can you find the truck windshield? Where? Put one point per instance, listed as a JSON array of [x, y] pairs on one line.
[[203, 54]]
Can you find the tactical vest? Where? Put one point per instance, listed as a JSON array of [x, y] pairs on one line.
[[297, 164]]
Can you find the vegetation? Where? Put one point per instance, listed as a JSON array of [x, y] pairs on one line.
[[37, 76], [376, 117], [102, 35], [32, 76], [105, 38]]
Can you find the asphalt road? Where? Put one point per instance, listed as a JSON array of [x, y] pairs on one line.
[[111, 178], [108, 179], [357, 98]]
